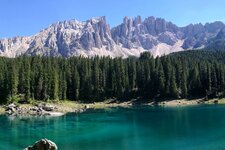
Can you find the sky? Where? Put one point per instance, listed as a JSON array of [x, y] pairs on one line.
[[27, 17]]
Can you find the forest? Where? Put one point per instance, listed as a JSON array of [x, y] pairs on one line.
[[187, 74]]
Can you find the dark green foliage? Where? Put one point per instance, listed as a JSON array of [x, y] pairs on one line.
[[183, 82], [179, 75]]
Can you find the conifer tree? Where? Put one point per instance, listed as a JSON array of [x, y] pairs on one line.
[[76, 84], [183, 82], [27, 80], [13, 79], [55, 86], [173, 85], [161, 80]]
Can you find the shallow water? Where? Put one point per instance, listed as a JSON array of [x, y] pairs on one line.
[[153, 128]]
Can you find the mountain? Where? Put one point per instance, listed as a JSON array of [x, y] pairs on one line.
[[130, 38], [218, 42]]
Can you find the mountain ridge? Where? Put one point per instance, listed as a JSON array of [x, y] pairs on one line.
[[95, 37]]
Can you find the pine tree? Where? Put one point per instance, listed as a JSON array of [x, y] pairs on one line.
[[194, 81], [173, 85], [209, 78], [55, 86], [13, 79], [64, 86], [27, 80], [186, 74], [132, 74], [76, 84], [161, 80], [183, 83], [96, 77]]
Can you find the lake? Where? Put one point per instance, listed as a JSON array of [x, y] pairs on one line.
[[145, 128]]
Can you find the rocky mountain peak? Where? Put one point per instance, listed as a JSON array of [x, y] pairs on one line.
[[95, 37], [218, 42], [95, 20], [221, 33], [137, 20]]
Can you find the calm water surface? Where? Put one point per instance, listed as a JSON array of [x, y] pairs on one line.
[[187, 128]]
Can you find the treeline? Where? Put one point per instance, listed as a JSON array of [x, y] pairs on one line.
[[181, 75]]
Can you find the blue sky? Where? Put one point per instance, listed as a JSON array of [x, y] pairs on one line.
[[27, 17]]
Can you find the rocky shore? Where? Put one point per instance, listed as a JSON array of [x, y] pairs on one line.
[[185, 102], [55, 108], [37, 110], [58, 108], [41, 109]]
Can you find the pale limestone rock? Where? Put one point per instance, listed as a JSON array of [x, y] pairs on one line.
[[43, 144], [95, 37]]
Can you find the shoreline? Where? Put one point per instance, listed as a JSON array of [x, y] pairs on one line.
[[186, 102], [63, 107], [56, 108], [2, 110]]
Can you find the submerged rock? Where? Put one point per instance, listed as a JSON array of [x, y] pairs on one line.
[[43, 144]]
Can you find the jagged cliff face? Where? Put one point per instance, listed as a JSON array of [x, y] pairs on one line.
[[15, 46], [95, 37], [147, 34], [198, 35], [71, 38]]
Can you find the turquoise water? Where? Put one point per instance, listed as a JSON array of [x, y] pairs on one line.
[[187, 128]]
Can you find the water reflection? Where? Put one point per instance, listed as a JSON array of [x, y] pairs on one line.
[[155, 128]]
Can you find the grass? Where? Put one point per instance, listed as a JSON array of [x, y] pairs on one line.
[[221, 101], [2, 110], [69, 106]]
